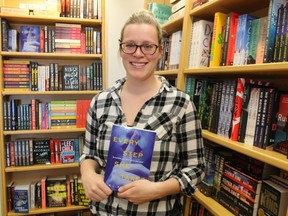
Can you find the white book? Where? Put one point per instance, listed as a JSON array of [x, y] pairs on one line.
[[200, 44]]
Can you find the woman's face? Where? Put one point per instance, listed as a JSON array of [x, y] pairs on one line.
[[139, 65]]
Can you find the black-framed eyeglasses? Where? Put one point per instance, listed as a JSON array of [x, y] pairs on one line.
[[146, 49]]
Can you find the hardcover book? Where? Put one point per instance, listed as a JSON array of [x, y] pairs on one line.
[[70, 77], [41, 151], [67, 151], [161, 11], [56, 191], [21, 198], [30, 38], [129, 156], [273, 199], [281, 135]]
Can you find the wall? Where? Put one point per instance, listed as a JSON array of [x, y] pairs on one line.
[[117, 12]]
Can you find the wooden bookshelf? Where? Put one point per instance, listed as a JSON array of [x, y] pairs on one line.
[[275, 73], [35, 172]]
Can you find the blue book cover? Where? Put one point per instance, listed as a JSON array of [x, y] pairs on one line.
[[30, 38], [21, 198], [274, 5], [129, 156]]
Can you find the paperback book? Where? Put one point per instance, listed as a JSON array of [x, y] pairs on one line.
[[281, 135], [129, 156], [30, 38]]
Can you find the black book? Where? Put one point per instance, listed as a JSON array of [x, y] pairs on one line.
[[70, 77]]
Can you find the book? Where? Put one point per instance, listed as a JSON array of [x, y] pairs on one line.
[[129, 156], [217, 38], [274, 5], [281, 134], [243, 39], [273, 199], [41, 151], [67, 150], [229, 38], [56, 191], [252, 51], [21, 198], [161, 11], [29, 38], [261, 39], [70, 77], [200, 44]]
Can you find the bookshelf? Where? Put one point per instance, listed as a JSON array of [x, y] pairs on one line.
[[272, 72], [35, 172]]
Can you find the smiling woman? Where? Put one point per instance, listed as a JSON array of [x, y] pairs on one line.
[[143, 100]]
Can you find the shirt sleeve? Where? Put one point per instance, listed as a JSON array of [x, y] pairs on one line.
[[190, 141]]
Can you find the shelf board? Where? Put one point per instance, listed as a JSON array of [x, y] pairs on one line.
[[270, 157], [92, 92], [42, 20], [41, 167], [271, 70], [40, 55], [50, 210], [208, 9], [211, 205], [167, 72], [48, 131], [173, 25]]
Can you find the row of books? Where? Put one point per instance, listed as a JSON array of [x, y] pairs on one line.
[[243, 110], [172, 47], [28, 152], [240, 39], [25, 75], [56, 114], [84, 9], [49, 191], [243, 184], [61, 38]]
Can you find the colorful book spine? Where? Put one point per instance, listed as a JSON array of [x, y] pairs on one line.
[[217, 38]]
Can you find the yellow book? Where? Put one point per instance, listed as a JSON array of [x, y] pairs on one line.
[[217, 38]]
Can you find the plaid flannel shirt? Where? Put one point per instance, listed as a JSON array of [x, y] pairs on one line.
[[178, 151]]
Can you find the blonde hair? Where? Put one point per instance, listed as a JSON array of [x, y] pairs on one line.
[[143, 17]]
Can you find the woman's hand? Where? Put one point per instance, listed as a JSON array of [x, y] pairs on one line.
[[140, 191], [94, 186]]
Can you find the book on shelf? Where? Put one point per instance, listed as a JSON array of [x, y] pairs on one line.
[[43, 192], [229, 38], [129, 159], [29, 38], [280, 16], [200, 44], [13, 40], [21, 198], [56, 191], [70, 77], [160, 11], [261, 40], [273, 199], [254, 37], [243, 38], [255, 168], [274, 5], [281, 133], [217, 39], [67, 149], [41, 151]]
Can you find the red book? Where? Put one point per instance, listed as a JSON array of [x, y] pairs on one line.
[[12, 153], [52, 151], [281, 135], [43, 192], [232, 38], [33, 114]]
